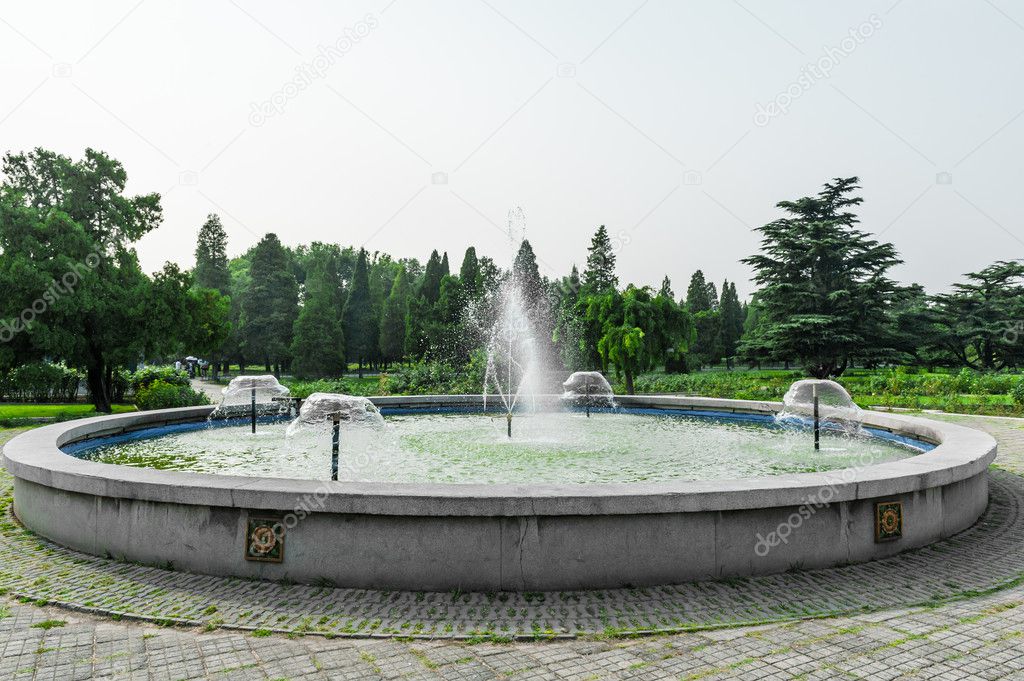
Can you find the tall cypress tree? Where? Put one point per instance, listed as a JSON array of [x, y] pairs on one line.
[[666, 288], [358, 320], [211, 256], [430, 287], [697, 294], [731, 322], [270, 305], [599, 273], [469, 274], [392, 321]]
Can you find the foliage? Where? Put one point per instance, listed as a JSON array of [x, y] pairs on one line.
[[269, 304], [360, 326], [211, 256], [66, 231], [982, 321], [40, 382], [143, 378], [160, 394], [824, 291], [599, 274]]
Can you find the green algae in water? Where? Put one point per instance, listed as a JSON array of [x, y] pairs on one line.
[[560, 448]]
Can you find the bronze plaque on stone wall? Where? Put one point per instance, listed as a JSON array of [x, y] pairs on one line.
[[264, 539]]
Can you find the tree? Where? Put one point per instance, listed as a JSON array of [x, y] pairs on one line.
[[469, 274], [599, 273], [731, 315], [392, 321], [430, 286], [526, 274], [980, 322], [358, 320], [637, 330], [211, 256], [318, 343], [212, 273], [73, 288], [270, 305], [666, 288], [824, 290], [698, 294]]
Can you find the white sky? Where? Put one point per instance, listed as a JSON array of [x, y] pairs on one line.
[[651, 129]]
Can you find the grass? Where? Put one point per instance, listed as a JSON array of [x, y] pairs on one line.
[[49, 624], [912, 388], [17, 415], [23, 411]]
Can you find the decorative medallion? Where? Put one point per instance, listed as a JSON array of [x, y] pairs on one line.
[[888, 521], [264, 540]]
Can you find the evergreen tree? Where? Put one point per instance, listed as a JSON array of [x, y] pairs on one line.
[[430, 287], [469, 274], [358, 319], [526, 274], [392, 321], [698, 298], [980, 321], [318, 345], [666, 288], [270, 305], [731, 313], [445, 268], [824, 290], [211, 256], [599, 274]]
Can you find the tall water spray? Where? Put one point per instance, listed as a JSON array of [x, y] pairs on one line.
[[511, 353]]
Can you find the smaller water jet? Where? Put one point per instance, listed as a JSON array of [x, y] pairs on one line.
[[322, 409], [589, 389], [824, 404], [252, 395]]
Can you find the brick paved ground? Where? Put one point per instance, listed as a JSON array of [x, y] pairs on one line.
[[974, 637]]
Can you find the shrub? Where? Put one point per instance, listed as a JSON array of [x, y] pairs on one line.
[[40, 382], [159, 394], [145, 376], [1018, 393]]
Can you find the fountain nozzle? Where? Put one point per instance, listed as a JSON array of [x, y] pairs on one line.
[[509, 418]]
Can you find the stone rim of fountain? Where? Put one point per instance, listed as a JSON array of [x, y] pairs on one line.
[[35, 456]]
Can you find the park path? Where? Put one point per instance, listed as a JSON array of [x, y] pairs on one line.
[[980, 637]]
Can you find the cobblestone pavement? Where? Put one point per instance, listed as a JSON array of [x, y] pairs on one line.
[[977, 636]]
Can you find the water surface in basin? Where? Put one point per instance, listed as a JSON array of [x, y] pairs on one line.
[[563, 447]]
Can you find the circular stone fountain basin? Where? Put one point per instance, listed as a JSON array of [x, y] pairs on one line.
[[525, 527], [467, 446]]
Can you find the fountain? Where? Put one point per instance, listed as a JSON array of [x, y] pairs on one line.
[[322, 409], [669, 489], [511, 354], [822, 404], [253, 395], [588, 388]]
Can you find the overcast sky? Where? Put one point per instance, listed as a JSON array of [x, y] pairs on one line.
[[405, 126]]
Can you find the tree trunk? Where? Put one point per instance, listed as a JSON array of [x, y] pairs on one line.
[[630, 389], [96, 379]]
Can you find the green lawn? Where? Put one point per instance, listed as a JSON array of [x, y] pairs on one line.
[[61, 412]]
